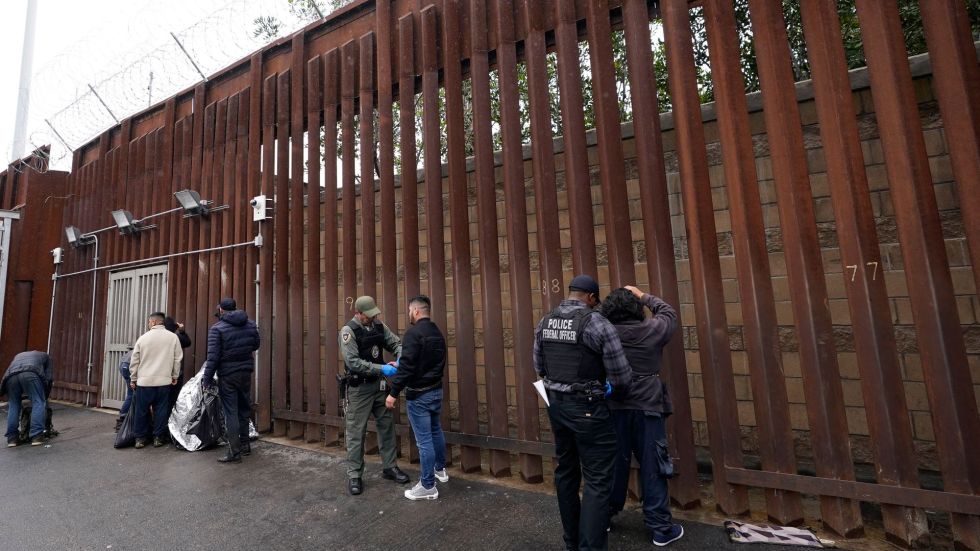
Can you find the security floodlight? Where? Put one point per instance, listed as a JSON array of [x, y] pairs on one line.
[[124, 221], [76, 238], [193, 205]]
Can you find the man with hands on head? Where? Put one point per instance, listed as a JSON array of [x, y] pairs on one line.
[[361, 342], [640, 414], [419, 373]]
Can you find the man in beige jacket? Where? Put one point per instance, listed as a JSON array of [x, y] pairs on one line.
[[153, 369]]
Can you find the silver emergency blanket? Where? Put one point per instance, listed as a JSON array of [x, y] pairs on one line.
[[743, 532], [188, 403]]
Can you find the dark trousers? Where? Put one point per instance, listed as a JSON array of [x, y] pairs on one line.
[[585, 443], [233, 389], [124, 371], [644, 435], [18, 385], [155, 396]]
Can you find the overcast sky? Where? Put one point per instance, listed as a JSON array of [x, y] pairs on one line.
[[82, 42]]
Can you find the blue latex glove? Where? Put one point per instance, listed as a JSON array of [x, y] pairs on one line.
[[608, 389], [389, 369]]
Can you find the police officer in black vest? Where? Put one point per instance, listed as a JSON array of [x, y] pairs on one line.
[[361, 342], [579, 355]]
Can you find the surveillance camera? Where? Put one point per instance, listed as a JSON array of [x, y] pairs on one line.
[[260, 208]]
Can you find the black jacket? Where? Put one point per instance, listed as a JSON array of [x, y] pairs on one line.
[[35, 362], [231, 343], [423, 360]]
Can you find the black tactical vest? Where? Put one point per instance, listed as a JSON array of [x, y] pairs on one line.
[[369, 343], [566, 358]]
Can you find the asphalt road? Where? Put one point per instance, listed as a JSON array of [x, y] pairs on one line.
[[78, 493]]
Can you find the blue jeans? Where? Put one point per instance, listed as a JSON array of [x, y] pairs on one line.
[[124, 371], [423, 414], [644, 435], [157, 396], [17, 386]]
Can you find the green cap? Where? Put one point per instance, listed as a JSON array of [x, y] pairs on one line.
[[366, 306]]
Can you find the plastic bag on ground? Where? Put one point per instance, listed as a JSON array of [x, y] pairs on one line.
[[207, 424], [126, 436]]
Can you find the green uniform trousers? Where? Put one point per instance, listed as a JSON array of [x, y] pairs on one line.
[[363, 401]]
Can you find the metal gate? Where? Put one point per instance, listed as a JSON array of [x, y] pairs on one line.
[[6, 220], [133, 294]]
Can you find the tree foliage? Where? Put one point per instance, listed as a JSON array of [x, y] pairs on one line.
[[913, 32]]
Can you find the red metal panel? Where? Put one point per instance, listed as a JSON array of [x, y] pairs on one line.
[[386, 165], [253, 184], [226, 195], [369, 260], [486, 197], [432, 142], [348, 82], [386, 171], [296, 193], [313, 384], [199, 174], [874, 337], [956, 81], [576, 158], [940, 336], [543, 156], [333, 365], [709, 299], [202, 237], [467, 399], [167, 186], [801, 248], [240, 212], [658, 236], [407, 151], [280, 351], [615, 211], [264, 394], [528, 425], [212, 227], [752, 260]]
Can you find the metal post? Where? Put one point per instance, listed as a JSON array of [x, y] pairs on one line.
[[24, 89], [59, 136], [102, 101], [91, 331], [189, 58]]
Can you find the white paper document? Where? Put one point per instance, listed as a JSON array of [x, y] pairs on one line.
[[539, 386]]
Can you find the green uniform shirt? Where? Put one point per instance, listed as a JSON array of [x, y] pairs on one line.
[[356, 364]]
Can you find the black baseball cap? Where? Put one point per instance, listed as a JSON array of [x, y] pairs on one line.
[[228, 304], [584, 284]]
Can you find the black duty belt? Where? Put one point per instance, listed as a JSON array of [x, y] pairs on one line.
[[358, 380], [575, 396]]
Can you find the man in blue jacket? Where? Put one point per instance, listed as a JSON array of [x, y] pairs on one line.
[[30, 373], [231, 345]]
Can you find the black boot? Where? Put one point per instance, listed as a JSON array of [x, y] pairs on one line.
[[231, 457], [246, 447]]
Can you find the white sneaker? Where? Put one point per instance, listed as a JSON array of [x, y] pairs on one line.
[[419, 492], [442, 475]]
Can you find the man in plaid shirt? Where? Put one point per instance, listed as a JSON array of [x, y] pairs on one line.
[[578, 354]]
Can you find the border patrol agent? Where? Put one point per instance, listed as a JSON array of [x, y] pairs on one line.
[[580, 357], [361, 341]]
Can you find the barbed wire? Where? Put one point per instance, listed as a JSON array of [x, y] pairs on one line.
[[92, 86]]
